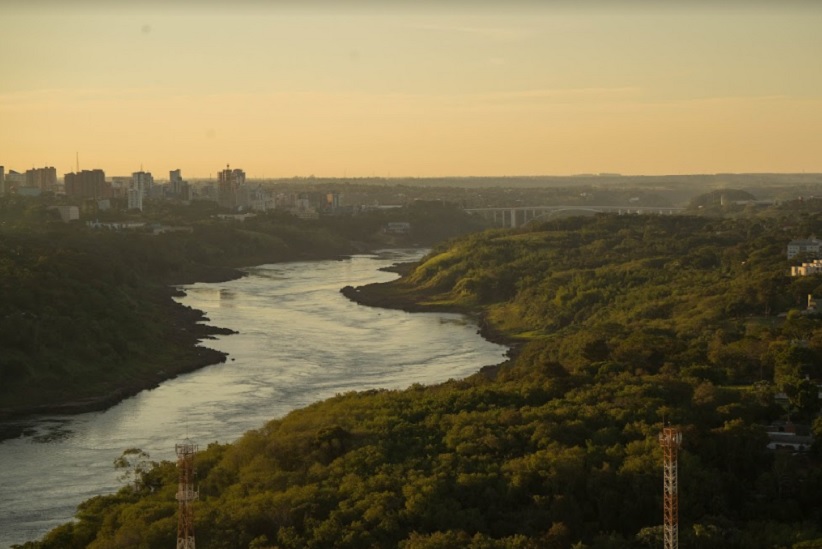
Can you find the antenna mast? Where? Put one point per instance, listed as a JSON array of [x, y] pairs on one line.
[[670, 439], [186, 494]]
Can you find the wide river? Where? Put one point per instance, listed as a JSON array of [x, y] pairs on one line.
[[299, 341]]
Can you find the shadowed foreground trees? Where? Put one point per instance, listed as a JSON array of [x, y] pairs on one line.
[[522, 460]]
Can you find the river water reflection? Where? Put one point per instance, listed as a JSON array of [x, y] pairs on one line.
[[299, 341]]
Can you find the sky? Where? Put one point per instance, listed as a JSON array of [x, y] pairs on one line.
[[421, 89]]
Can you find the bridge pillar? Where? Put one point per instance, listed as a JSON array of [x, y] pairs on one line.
[[513, 218]]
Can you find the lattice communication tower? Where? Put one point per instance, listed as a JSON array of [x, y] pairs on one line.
[[186, 494], [670, 438]]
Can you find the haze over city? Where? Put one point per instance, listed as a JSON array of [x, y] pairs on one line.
[[359, 89]]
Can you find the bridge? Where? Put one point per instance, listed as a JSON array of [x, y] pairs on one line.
[[520, 215]]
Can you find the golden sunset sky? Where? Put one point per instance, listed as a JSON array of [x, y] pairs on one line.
[[403, 88]]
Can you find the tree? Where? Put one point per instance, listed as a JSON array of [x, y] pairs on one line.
[[134, 465], [803, 396]]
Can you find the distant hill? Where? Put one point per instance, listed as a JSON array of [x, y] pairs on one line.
[[719, 197]]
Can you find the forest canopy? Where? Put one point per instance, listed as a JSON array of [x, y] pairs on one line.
[[620, 325]]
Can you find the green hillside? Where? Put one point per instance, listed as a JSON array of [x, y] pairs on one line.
[[620, 324]]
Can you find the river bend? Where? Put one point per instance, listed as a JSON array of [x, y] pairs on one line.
[[299, 341]]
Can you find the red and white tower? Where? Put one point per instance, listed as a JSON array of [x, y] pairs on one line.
[[186, 494], [670, 438]]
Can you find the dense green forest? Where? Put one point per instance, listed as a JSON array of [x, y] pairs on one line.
[[620, 324], [87, 316]]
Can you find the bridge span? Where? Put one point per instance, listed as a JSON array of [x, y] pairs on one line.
[[520, 215]]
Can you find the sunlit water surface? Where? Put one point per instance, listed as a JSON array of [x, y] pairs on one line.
[[299, 341]]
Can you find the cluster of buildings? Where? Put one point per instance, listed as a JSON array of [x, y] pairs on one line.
[[807, 268], [785, 435], [810, 248], [234, 193], [29, 183], [134, 189], [93, 184], [230, 190]]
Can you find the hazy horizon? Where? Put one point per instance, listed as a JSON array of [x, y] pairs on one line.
[[357, 89]]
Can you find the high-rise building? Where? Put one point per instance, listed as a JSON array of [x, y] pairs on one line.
[[230, 181], [44, 179], [142, 181], [175, 178], [87, 184], [14, 180], [120, 185], [135, 199], [332, 200], [2, 180]]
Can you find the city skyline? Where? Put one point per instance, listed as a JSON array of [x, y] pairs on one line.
[[358, 90]]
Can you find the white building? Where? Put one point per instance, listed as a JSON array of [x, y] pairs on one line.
[[255, 198], [812, 268], [230, 183], [144, 182], [120, 185], [175, 178], [135, 199], [397, 227], [68, 213], [14, 180], [810, 246]]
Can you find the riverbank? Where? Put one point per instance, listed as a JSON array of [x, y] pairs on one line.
[[185, 350], [181, 352], [178, 348], [398, 296], [277, 309], [87, 317]]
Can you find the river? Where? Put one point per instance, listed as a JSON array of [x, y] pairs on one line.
[[299, 341]]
